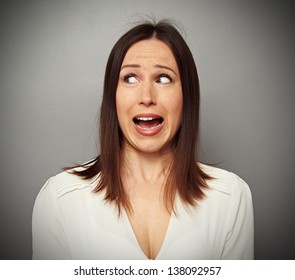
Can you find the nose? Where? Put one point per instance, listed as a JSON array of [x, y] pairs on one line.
[[147, 95]]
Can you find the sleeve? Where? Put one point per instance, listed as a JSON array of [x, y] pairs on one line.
[[239, 243], [49, 240]]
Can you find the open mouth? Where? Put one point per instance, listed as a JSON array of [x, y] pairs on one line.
[[148, 123]]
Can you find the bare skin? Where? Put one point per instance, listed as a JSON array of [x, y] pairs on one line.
[[149, 218]]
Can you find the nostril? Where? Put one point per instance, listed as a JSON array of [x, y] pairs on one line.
[[148, 101]]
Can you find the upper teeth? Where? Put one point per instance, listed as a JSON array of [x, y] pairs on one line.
[[145, 118]]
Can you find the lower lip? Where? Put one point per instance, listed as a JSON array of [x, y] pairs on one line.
[[149, 132]]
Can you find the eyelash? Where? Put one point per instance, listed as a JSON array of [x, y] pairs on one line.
[[164, 76], [126, 77]]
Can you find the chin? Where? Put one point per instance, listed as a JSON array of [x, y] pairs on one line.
[[149, 145], [150, 149]]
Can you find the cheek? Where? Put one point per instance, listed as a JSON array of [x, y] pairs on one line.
[[176, 105], [123, 106], [121, 102], [120, 106], [177, 111], [124, 99]]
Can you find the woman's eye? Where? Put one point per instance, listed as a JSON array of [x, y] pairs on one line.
[[130, 79], [164, 79]]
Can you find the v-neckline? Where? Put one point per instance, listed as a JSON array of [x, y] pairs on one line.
[[133, 235]]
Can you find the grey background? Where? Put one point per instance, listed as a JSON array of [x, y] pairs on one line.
[[53, 56]]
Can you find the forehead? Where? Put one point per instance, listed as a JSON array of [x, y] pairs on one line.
[[150, 50]]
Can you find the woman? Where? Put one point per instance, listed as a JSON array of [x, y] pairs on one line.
[[145, 196]]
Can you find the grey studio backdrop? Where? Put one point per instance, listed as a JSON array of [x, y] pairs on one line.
[[53, 56]]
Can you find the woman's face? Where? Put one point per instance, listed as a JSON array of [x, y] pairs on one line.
[[149, 97]]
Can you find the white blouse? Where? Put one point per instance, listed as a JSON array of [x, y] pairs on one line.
[[70, 221]]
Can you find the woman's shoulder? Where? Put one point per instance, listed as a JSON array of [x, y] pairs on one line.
[[225, 181], [65, 182]]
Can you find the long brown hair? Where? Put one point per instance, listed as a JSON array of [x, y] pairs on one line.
[[185, 177]]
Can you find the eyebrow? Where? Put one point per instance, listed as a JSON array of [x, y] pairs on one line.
[[156, 66]]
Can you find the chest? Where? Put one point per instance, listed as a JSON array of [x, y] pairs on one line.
[[96, 232], [149, 221]]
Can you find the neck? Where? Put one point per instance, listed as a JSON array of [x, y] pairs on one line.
[[147, 167]]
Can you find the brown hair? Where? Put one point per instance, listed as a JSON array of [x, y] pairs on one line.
[[185, 177]]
